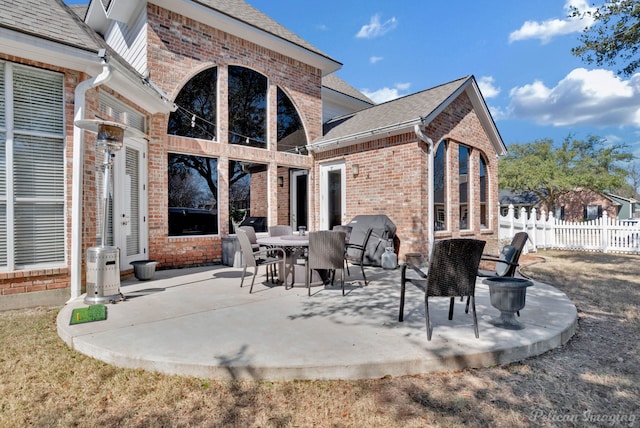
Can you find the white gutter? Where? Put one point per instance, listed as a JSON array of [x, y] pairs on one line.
[[77, 175], [384, 131], [419, 130]]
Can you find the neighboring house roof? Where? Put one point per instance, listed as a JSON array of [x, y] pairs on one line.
[[507, 197], [334, 83], [235, 17], [622, 199], [402, 114]]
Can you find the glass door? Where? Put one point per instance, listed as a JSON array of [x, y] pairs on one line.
[[299, 198], [333, 199]]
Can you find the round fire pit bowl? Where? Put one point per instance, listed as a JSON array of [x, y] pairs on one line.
[[508, 296]]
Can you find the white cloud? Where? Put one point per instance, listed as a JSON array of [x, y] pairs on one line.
[[488, 89], [387, 94], [375, 59], [584, 97], [546, 30], [376, 28]]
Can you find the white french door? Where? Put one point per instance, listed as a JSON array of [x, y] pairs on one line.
[[333, 195], [130, 206]]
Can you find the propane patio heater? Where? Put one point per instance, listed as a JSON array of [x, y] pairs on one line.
[[103, 262]]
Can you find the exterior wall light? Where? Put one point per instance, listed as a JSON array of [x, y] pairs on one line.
[[355, 170], [281, 181]]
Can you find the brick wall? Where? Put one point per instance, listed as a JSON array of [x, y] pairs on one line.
[[392, 178], [178, 49]]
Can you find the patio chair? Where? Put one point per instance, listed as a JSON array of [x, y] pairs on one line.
[[355, 254], [326, 251], [452, 272], [506, 263], [258, 258], [280, 230], [347, 230], [251, 234]]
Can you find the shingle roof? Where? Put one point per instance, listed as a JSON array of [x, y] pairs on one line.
[[398, 111], [335, 83], [242, 11], [47, 19]]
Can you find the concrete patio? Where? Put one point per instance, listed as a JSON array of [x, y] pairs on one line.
[[199, 322]]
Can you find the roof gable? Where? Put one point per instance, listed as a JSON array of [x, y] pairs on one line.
[[402, 114], [235, 17]]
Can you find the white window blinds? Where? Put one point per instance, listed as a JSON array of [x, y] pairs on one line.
[[32, 182]]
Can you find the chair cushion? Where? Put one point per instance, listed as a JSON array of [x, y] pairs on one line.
[[507, 254]]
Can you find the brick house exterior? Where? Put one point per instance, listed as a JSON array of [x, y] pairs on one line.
[[153, 49]]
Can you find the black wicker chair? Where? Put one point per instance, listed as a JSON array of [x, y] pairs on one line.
[[326, 251], [506, 263], [452, 272]]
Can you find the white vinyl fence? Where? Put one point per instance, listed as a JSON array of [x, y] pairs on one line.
[[546, 232]]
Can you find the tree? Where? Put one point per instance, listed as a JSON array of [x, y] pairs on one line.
[[549, 171], [615, 33]]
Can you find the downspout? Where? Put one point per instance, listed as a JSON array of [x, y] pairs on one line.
[[77, 220], [419, 130]]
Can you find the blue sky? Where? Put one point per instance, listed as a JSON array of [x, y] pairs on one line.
[[518, 51]]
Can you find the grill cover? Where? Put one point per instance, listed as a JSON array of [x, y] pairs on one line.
[[382, 236]]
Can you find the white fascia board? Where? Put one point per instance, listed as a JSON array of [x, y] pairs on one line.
[[96, 17], [343, 99], [136, 90], [349, 140], [48, 52], [72, 58], [223, 22], [484, 115]]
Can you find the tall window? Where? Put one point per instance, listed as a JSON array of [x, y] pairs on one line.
[[32, 182], [440, 187], [193, 195], [463, 173], [196, 113], [291, 136], [484, 222], [247, 107]]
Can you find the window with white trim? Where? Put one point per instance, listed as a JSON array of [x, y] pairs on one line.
[[32, 220]]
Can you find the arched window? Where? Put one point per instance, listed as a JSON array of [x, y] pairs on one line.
[[196, 113], [291, 135], [483, 193], [440, 187], [247, 107], [464, 153]]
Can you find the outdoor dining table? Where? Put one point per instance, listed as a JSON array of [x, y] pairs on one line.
[[294, 247]]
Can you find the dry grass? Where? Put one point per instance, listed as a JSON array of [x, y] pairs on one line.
[[591, 381]]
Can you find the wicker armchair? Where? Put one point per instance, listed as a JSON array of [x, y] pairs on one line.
[[326, 251], [258, 258], [452, 272]]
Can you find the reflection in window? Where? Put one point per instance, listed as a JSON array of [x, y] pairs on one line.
[[463, 171], [248, 201], [193, 195], [483, 193], [196, 113], [247, 107], [440, 187], [291, 135]]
